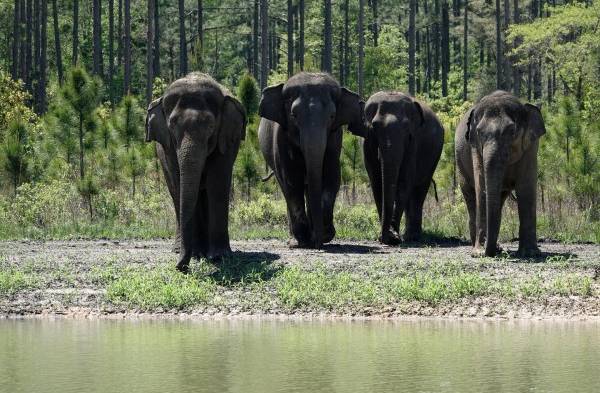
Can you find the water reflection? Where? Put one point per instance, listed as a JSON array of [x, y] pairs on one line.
[[254, 356]]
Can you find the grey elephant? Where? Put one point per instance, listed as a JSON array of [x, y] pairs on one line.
[[198, 127], [496, 146], [301, 138], [402, 148]]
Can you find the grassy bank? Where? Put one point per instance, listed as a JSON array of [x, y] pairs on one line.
[[398, 282]]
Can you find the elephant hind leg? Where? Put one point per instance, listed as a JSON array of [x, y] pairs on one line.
[[414, 212], [201, 235], [469, 195]]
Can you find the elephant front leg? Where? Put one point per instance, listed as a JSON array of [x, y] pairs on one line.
[[480, 206], [414, 213], [218, 187], [331, 187], [298, 221], [526, 202]]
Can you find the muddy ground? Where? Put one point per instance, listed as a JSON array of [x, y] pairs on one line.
[[70, 285]]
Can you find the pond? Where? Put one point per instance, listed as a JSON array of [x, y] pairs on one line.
[[61, 355]]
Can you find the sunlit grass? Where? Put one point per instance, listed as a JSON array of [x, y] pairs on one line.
[[13, 281], [161, 288]]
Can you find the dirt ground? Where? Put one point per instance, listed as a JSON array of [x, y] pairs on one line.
[[70, 288]]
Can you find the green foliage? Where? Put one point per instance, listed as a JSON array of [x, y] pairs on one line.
[[16, 152], [248, 94], [13, 281], [14, 103], [163, 288]]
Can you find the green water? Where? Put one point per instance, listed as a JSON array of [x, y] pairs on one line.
[[254, 356]]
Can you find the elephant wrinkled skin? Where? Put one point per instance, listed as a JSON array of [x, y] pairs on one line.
[[496, 146], [198, 127], [401, 149], [301, 138]]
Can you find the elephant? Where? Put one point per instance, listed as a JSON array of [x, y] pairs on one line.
[[401, 149], [300, 135], [496, 144], [198, 126]]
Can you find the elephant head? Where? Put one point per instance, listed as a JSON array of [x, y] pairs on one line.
[[309, 107], [392, 119], [195, 118], [500, 130]]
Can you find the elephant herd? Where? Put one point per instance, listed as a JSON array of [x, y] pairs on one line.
[[198, 126]]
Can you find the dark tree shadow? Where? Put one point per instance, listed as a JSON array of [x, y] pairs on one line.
[[240, 267], [429, 239], [544, 257], [349, 248]]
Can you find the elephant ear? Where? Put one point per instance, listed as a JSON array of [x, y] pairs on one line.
[[420, 114], [350, 110], [233, 124], [156, 124], [535, 122], [271, 104], [469, 116]]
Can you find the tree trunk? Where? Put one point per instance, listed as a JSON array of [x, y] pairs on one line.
[[200, 48], [255, 28], [43, 63], [411, 47], [156, 46], [264, 38], [418, 80], [516, 70], [375, 8], [445, 47], [22, 43], [28, 46], [111, 47], [301, 38], [81, 152], [466, 51], [75, 39], [127, 47], [57, 47], [498, 48], [361, 47], [346, 42], [16, 39], [183, 69], [97, 38], [436, 40], [149, 52], [290, 38], [120, 34], [506, 63], [35, 65], [327, 45]]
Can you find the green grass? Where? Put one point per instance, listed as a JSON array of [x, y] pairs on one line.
[[13, 281], [162, 288]]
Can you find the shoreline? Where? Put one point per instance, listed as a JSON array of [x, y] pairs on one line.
[[267, 280], [92, 315]]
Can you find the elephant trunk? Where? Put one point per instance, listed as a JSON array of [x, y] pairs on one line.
[[494, 165], [313, 149], [390, 168], [192, 157]]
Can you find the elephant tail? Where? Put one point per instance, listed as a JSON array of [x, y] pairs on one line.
[[435, 191], [270, 175]]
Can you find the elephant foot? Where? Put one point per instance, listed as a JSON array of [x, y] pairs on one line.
[[329, 234], [219, 253], [412, 236], [480, 252], [390, 238], [529, 252], [183, 267]]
